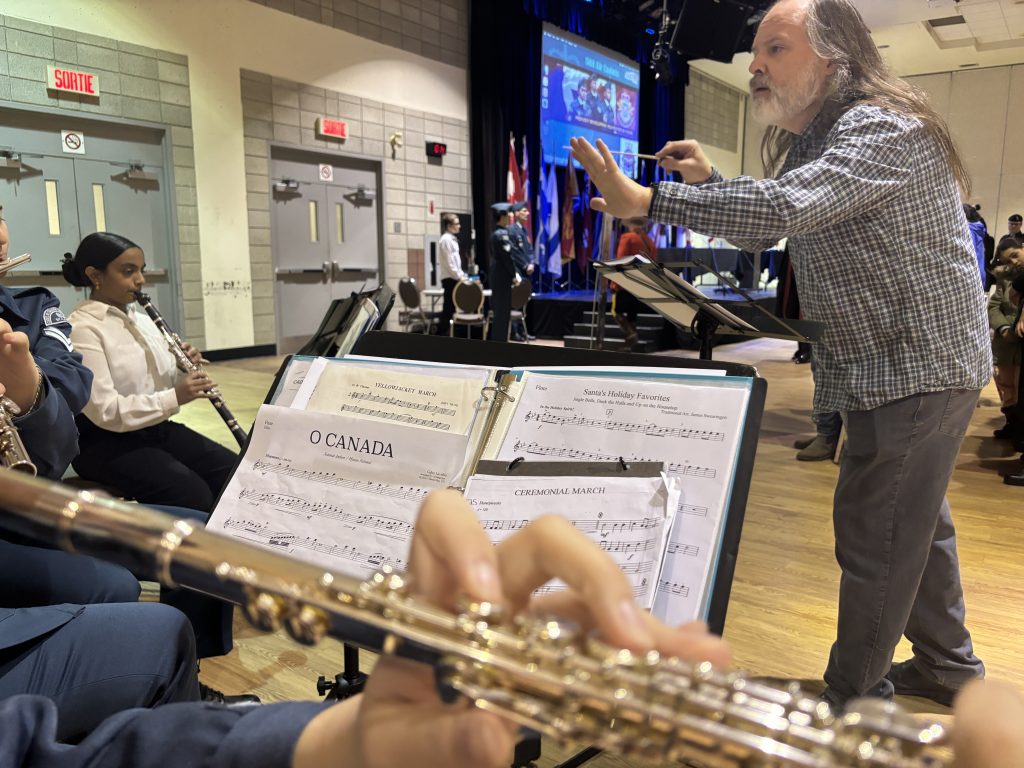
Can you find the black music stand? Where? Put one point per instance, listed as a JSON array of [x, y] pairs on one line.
[[348, 319], [685, 307]]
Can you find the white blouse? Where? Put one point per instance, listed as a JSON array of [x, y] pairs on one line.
[[134, 372]]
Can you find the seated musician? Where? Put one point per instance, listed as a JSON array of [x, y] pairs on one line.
[[126, 438]]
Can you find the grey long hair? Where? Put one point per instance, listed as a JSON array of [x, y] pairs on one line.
[[837, 33]]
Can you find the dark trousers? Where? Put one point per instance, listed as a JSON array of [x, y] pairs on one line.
[[167, 463], [501, 306], [447, 306], [106, 659], [896, 545], [32, 574]]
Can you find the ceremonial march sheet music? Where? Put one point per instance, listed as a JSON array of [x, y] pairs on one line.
[[691, 423], [628, 517]]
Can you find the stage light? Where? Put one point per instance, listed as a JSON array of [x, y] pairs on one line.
[[661, 54], [650, 31]]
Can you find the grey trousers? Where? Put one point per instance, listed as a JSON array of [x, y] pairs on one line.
[[896, 545]]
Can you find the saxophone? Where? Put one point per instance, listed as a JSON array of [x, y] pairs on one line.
[[535, 672], [185, 364], [13, 454]]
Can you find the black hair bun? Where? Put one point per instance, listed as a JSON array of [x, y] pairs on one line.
[[72, 273]]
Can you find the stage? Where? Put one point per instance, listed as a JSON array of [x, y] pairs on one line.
[[568, 315]]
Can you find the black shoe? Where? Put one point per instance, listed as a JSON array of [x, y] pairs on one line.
[[213, 696], [800, 357], [530, 338], [908, 680], [1017, 479], [1005, 432], [835, 702]]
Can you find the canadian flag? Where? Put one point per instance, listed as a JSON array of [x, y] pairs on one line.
[[514, 183]]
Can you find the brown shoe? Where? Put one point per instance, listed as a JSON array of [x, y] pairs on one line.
[[802, 443], [821, 448]]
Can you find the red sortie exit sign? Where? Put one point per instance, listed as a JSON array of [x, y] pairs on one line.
[[60, 79], [335, 129]]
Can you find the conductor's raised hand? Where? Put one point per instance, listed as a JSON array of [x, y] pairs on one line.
[[687, 159], [620, 195], [400, 720]]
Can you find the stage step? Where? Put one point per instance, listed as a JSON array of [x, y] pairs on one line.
[[612, 344], [654, 333]]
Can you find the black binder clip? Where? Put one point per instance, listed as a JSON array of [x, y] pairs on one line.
[[623, 464], [516, 462]]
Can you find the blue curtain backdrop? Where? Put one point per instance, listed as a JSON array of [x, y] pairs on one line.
[[504, 93]]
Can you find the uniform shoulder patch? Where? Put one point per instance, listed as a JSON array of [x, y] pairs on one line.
[[53, 316]]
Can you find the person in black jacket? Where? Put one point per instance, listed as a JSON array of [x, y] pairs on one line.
[[503, 272]]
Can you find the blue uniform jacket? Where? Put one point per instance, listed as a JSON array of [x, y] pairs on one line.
[[49, 432], [175, 734]]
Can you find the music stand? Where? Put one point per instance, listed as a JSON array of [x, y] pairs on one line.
[[348, 319], [685, 307]]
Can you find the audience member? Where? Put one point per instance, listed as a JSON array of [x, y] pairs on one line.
[[503, 272], [625, 306], [1003, 311], [449, 263]]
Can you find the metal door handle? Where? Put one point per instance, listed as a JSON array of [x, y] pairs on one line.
[[299, 271]]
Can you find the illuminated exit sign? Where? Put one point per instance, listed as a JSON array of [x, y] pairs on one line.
[[72, 81], [332, 129]]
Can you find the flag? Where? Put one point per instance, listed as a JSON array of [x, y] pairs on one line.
[[587, 235], [524, 177], [514, 183], [568, 223], [552, 242]]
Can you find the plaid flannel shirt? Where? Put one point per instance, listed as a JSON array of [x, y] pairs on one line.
[[880, 250]]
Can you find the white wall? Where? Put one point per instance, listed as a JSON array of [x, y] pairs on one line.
[[981, 107], [221, 37]]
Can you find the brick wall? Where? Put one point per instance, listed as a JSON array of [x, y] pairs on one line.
[[712, 112], [437, 29], [138, 83], [282, 112]]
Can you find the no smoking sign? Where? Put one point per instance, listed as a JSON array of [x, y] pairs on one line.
[[326, 172], [72, 142]]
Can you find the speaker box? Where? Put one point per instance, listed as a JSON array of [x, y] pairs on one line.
[[716, 29]]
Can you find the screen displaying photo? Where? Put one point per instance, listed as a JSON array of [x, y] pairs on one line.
[[588, 91]]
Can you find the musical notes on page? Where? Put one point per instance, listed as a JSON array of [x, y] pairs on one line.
[[693, 426], [626, 516], [445, 399], [339, 492]]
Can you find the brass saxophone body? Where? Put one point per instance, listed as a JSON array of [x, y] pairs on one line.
[[538, 673], [13, 454]]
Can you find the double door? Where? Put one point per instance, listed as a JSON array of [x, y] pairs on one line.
[[326, 237], [52, 200]]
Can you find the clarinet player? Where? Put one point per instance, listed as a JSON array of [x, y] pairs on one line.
[[126, 437]]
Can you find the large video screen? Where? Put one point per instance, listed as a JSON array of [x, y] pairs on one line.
[[589, 91]]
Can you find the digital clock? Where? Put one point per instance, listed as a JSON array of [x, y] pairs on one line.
[[436, 149]]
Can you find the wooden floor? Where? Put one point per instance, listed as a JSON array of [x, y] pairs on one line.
[[783, 606]]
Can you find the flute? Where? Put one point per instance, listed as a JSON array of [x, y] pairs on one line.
[[184, 362], [17, 261], [535, 672]]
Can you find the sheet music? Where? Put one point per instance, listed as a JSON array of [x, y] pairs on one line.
[[442, 399], [291, 380], [628, 517], [339, 492], [692, 426]]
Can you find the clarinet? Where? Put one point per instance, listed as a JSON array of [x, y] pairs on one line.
[[185, 364], [536, 672]]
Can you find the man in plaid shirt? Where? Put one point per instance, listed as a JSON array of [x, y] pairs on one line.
[[868, 195]]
